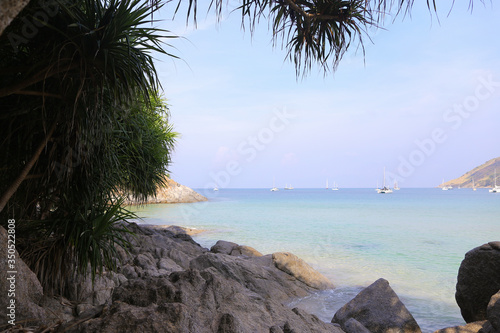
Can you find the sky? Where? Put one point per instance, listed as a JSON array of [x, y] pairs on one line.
[[422, 102]]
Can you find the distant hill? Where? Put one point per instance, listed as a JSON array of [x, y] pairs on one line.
[[483, 175]]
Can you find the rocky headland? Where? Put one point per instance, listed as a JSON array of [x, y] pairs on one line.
[[481, 176], [169, 283], [172, 192]]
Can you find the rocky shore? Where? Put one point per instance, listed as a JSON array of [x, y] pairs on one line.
[[169, 283]]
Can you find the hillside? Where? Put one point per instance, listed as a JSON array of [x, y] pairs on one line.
[[483, 175]]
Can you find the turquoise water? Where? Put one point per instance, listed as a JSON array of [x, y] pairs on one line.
[[414, 238]]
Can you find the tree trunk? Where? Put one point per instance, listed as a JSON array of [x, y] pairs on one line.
[[24, 173], [9, 10]]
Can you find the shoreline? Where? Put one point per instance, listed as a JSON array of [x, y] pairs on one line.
[[166, 270], [350, 290]]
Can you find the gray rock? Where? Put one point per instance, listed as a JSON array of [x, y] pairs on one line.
[[478, 280], [229, 324], [26, 289], [122, 317], [293, 265], [488, 328], [83, 308], [59, 307], [118, 278], [354, 326], [223, 247], [144, 261], [474, 327], [129, 272], [268, 282], [246, 251], [201, 302], [493, 311], [265, 260], [168, 265], [82, 290], [378, 309], [144, 292], [234, 249]]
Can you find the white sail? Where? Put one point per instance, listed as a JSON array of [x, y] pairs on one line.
[[384, 189], [496, 188], [274, 189]]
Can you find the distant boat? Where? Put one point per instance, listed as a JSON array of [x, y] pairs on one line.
[[216, 188], [396, 187], [274, 189], [495, 189], [445, 188], [473, 185], [384, 189], [335, 187], [288, 187], [327, 184]]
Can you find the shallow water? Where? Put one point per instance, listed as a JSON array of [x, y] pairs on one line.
[[414, 238]]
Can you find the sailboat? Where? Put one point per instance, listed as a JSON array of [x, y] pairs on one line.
[[274, 189], [396, 187], [327, 184], [473, 185], [384, 189], [495, 189], [445, 188], [216, 188], [335, 187], [288, 187]]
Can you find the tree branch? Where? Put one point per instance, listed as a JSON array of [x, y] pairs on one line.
[[27, 168], [40, 76], [38, 93]]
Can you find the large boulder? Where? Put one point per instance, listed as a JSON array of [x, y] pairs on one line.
[[377, 309], [234, 249], [223, 247], [20, 290], [293, 265], [267, 281], [478, 280]]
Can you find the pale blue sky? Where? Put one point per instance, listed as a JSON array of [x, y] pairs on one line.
[[424, 102]]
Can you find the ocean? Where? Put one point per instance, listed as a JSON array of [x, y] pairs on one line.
[[414, 238]]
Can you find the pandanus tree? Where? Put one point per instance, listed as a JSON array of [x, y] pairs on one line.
[[314, 32], [82, 124]]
